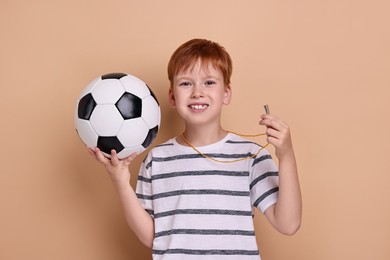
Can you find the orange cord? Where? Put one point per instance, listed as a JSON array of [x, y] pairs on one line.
[[229, 161]]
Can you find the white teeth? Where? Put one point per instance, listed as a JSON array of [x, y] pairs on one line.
[[198, 106]]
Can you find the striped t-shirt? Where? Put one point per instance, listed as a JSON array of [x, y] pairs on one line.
[[202, 209]]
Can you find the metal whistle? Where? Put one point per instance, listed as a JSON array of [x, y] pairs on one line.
[[266, 108]]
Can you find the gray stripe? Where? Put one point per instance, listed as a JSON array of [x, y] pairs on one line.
[[200, 173], [261, 177], [144, 179], [193, 173], [148, 165], [144, 197], [205, 252], [203, 212], [166, 144], [205, 232], [151, 212], [241, 142], [261, 158], [265, 195], [193, 192], [200, 192], [197, 156]]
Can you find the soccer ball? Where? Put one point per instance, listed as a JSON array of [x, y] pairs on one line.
[[117, 111]]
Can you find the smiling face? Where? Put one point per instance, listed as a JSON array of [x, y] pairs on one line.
[[199, 93]]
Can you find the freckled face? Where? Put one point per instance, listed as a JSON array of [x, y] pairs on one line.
[[199, 93]]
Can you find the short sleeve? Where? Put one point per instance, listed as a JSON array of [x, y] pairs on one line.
[[264, 181], [144, 186]]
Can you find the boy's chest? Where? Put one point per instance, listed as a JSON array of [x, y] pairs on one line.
[[189, 177]]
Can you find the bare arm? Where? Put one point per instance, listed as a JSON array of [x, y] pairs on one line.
[[136, 217], [286, 214]]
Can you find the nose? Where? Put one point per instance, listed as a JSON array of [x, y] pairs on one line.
[[197, 91]]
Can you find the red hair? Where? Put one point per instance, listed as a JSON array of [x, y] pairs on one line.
[[207, 52]]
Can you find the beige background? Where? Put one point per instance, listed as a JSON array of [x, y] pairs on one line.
[[323, 66]]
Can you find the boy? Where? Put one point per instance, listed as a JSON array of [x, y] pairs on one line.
[[195, 192]]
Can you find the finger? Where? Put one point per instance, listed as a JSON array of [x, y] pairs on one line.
[[275, 119], [100, 157], [130, 158], [268, 116], [271, 132], [276, 124], [114, 158], [265, 119], [273, 141], [271, 123], [92, 153]]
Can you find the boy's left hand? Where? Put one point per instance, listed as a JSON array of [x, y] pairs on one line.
[[278, 134]]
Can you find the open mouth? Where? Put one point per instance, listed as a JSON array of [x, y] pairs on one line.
[[198, 106]]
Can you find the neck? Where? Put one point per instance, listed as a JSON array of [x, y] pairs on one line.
[[202, 136]]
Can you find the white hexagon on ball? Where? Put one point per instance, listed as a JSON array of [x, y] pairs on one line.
[[86, 132], [106, 120], [128, 151], [133, 132], [151, 111], [135, 86], [108, 91]]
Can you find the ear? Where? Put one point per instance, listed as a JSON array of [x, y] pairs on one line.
[[171, 98], [227, 96]]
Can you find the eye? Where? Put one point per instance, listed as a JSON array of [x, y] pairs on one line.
[[184, 84], [209, 82]]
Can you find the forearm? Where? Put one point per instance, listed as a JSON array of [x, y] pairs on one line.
[[136, 217], [140, 222], [285, 215], [287, 212]]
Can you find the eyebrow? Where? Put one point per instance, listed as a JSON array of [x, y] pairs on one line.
[[177, 77]]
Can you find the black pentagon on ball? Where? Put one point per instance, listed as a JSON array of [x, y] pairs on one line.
[[150, 137], [86, 106], [129, 106], [107, 143], [115, 75]]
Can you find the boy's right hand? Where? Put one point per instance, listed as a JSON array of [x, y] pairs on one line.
[[117, 169]]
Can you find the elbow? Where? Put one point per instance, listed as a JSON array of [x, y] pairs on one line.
[[291, 229], [146, 239], [146, 242]]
